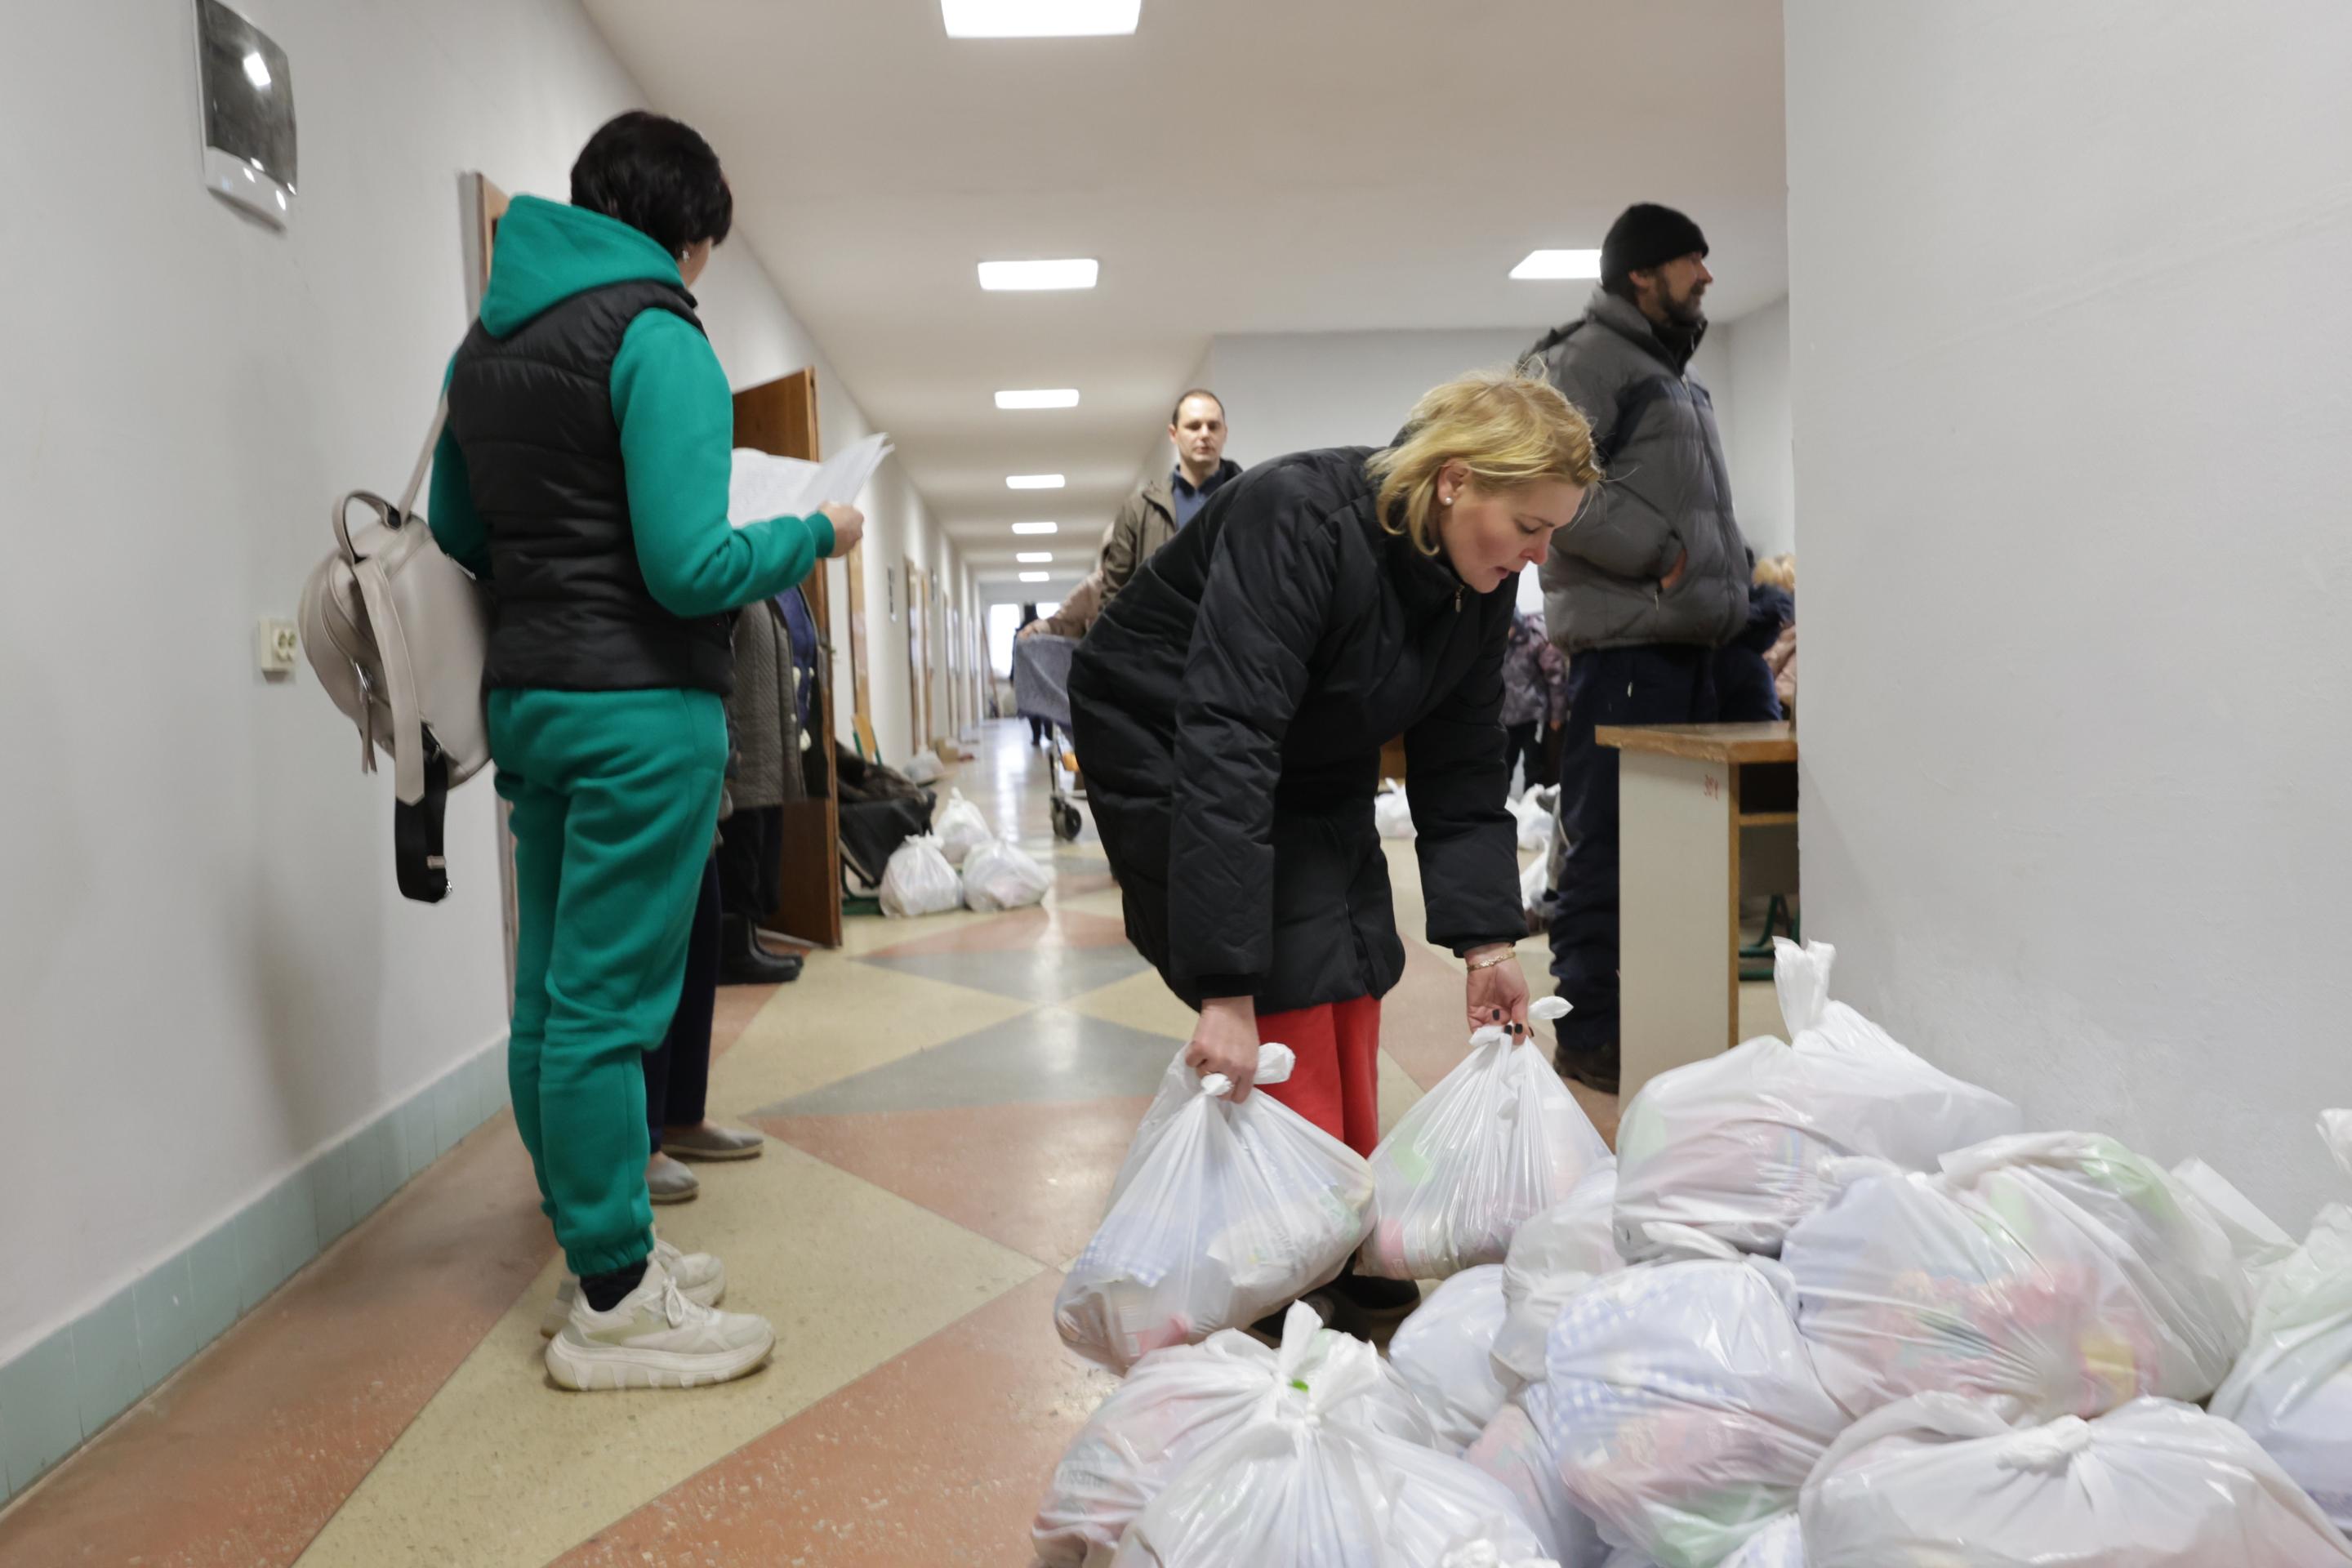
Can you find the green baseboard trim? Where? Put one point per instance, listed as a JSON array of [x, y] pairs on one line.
[[61, 1391]]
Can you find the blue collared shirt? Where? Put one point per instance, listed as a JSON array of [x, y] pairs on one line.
[[1188, 500]]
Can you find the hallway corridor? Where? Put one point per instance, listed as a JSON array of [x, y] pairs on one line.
[[947, 1102]]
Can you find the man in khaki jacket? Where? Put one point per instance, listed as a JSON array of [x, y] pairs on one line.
[[1165, 503]]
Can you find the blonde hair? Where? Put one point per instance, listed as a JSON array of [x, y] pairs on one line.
[[1508, 429], [1776, 571]]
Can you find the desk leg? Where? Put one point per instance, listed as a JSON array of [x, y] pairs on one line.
[[1679, 957]]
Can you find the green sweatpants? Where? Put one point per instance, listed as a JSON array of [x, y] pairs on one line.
[[616, 794]]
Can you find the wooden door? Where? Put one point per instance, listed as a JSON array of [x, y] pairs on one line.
[[780, 416], [860, 659], [917, 617]]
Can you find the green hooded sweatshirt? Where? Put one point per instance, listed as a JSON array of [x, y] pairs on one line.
[[676, 414]]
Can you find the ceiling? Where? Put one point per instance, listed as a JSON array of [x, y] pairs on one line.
[[1238, 167]]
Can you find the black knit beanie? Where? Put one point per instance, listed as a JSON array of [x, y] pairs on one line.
[[1646, 235]]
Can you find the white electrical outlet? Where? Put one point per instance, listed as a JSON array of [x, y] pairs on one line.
[[277, 648]]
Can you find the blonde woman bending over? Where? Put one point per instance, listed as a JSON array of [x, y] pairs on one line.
[[1230, 706]]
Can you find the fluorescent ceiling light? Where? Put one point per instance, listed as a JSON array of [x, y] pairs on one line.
[[1544, 265], [1036, 577], [1039, 18], [1078, 273], [1033, 481], [256, 71], [1036, 528], [1042, 397], [1033, 557]]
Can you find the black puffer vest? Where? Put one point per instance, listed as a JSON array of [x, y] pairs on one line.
[[533, 415]]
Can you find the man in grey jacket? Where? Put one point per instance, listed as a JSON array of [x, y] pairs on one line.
[[1643, 590]]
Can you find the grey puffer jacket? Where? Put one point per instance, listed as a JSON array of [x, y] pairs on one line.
[[1668, 490]]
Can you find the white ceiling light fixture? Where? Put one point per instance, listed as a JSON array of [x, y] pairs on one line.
[[1036, 528], [1554, 265], [1040, 18], [1026, 276], [1036, 576], [1033, 481], [1033, 557], [1040, 397]]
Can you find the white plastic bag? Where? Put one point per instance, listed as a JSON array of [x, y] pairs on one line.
[[919, 881], [1001, 874], [1499, 1140], [1533, 812], [1683, 1405], [2292, 1391], [2260, 1242], [1535, 885], [1554, 1255], [1177, 1404], [2157, 1484], [1392, 815], [1223, 1211], [1779, 1544], [1306, 1487], [1734, 1145], [1445, 1353], [2050, 1275], [1480, 1550], [925, 768], [959, 828], [1513, 1450]]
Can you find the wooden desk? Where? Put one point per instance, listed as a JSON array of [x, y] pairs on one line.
[[1705, 812]]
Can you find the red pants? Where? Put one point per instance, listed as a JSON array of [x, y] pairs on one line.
[[1337, 1084]]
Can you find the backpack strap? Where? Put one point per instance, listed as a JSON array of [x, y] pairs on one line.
[[424, 460], [417, 859], [400, 682]]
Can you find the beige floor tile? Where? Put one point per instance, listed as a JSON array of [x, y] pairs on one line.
[[1141, 1001], [838, 1019], [1398, 1093], [862, 934], [1107, 902], [503, 1469]]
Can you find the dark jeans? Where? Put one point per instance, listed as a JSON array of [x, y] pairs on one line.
[[1524, 742], [677, 1073], [1040, 732], [1657, 684], [751, 861]]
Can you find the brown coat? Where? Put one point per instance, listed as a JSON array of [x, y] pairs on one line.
[[1146, 522]]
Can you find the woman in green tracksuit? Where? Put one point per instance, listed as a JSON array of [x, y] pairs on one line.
[[584, 474]]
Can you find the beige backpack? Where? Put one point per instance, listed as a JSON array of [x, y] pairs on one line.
[[398, 634]]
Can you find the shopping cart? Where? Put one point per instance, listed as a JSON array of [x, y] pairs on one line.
[[1041, 690]]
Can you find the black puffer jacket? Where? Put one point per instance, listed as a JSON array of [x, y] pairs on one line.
[[1229, 709]]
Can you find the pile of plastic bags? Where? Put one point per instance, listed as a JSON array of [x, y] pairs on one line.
[[959, 828], [1533, 812], [2292, 1391], [2049, 1274], [1309, 1486], [1498, 1142], [1181, 1402], [1223, 1212], [1392, 814], [1830, 1308], [1445, 1353], [918, 880], [2156, 1484], [1739, 1146], [998, 874]]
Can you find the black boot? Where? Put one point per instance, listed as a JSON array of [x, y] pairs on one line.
[[1369, 1306], [743, 961], [1593, 1068]]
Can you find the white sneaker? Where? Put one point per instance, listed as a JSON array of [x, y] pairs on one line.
[[701, 1280], [655, 1338]]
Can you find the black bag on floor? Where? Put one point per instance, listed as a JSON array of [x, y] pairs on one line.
[[872, 830]]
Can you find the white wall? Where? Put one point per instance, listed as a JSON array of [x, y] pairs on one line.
[[1292, 392], [205, 970], [2070, 408], [1752, 409]]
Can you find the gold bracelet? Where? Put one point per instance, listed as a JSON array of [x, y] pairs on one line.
[[1496, 961]]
